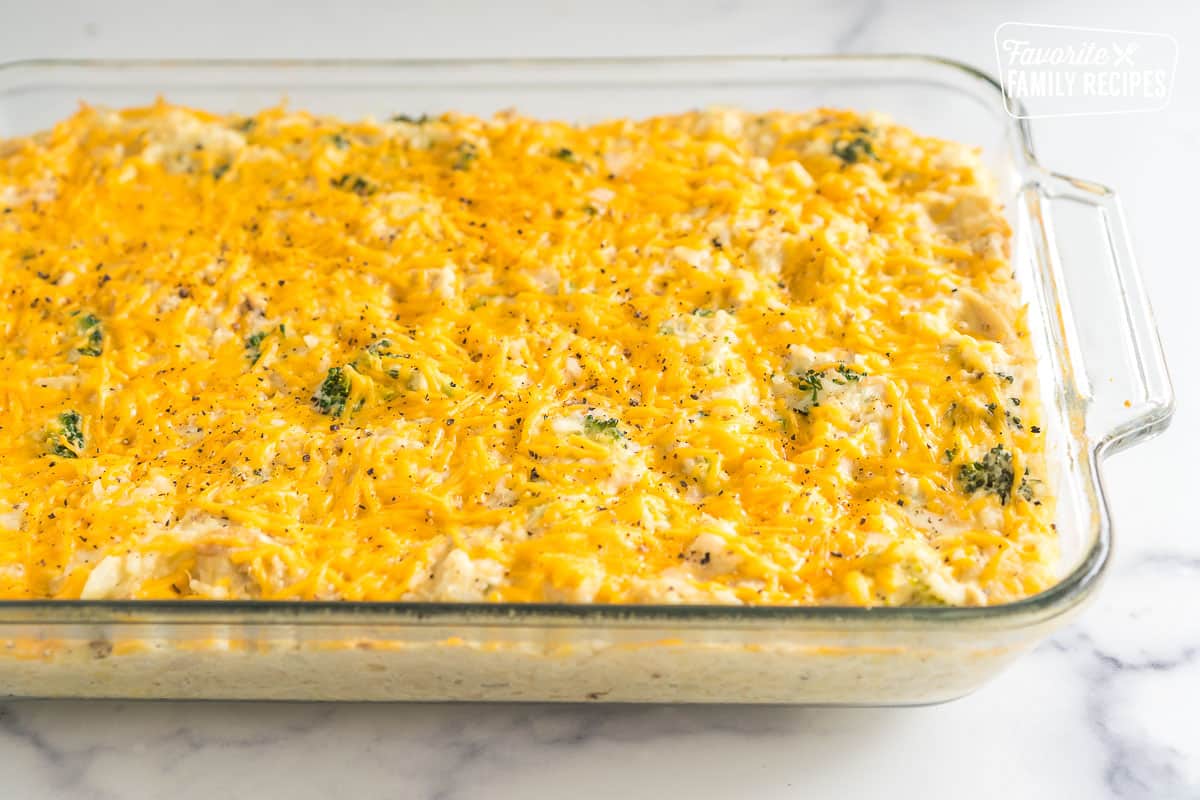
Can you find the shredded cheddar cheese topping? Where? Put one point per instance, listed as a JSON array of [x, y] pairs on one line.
[[712, 357]]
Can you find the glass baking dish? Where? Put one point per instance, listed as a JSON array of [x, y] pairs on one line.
[[1102, 373]]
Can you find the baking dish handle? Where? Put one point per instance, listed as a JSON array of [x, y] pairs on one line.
[[1117, 358]]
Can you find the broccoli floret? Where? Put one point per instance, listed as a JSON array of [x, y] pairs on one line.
[[811, 382], [65, 435], [1025, 489], [848, 374], [383, 347], [254, 346], [467, 152], [355, 183], [383, 369], [923, 594], [333, 392], [92, 333], [564, 154], [994, 473], [598, 428], [254, 343], [854, 150]]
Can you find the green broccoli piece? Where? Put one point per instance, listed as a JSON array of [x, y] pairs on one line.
[[923, 594], [993, 473], [92, 332], [356, 184], [1025, 489], [65, 435], [383, 347], [334, 391], [811, 382], [254, 346], [564, 154], [385, 367], [597, 428], [254, 343], [849, 375], [855, 150], [467, 153]]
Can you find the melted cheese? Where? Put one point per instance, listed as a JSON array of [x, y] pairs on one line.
[[709, 357]]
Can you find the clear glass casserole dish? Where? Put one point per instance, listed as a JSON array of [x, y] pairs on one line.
[[1103, 380]]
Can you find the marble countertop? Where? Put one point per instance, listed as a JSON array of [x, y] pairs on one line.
[[1110, 708]]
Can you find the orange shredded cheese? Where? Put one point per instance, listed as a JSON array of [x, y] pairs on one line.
[[711, 357]]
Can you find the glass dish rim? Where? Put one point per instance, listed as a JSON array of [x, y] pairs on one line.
[[1069, 591]]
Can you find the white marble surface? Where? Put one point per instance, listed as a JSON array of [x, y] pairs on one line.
[[1108, 709]]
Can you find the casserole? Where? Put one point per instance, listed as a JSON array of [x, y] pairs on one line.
[[724, 356], [1103, 384]]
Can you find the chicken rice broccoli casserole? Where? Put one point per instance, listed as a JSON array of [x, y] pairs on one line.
[[711, 357]]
